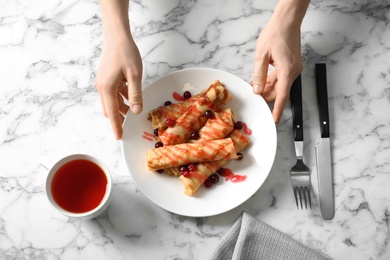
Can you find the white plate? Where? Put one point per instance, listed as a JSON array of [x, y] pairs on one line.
[[167, 191]]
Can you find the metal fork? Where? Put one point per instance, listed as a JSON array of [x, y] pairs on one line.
[[300, 173]]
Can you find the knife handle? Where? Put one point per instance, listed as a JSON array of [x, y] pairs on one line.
[[322, 98], [296, 107]]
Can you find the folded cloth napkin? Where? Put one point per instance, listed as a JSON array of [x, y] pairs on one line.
[[250, 238]]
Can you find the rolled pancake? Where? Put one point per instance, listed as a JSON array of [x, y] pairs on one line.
[[193, 118], [187, 153], [204, 170]]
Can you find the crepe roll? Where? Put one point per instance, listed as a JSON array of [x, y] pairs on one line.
[[160, 115], [217, 127], [204, 170], [187, 153], [193, 118], [215, 91]]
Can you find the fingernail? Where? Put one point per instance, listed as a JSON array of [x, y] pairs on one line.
[[137, 108], [257, 88]]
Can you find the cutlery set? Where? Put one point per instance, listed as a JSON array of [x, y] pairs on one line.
[[300, 173]]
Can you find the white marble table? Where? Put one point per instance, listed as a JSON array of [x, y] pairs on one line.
[[49, 106]]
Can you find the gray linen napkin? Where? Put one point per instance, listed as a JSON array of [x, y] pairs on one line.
[[250, 238]]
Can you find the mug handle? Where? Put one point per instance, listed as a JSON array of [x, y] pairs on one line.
[[46, 162]]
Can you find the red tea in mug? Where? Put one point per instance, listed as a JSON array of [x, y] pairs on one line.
[[79, 186]]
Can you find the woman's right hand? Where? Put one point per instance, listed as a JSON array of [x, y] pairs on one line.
[[119, 77]]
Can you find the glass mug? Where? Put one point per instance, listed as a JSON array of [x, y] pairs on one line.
[[78, 186]]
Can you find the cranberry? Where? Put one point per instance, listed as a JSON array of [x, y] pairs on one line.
[[187, 94], [194, 135], [170, 122], [208, 183], [209, 114], [186, 174], [221, 171], [240, 155], [158, 144], [214, 178], [167, 103], [160, 171], [238, 125], [192, 167], [183, 168], [155, 132]]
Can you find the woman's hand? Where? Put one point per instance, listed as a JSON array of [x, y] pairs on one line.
[[120, 77], [120, 71], [279, 45]]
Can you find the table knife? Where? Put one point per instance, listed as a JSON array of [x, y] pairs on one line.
[[323, 152]]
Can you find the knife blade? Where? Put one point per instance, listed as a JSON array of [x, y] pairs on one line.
[[323, 151]]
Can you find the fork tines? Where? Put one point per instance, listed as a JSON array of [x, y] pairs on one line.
[[302, 191]]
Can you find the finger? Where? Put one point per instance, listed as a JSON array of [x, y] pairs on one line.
[[102, 103], [123, 108], [269, 94], [272, 78], [282, 93], [124, 91], [134, 91], [260, 73], [112, 109]]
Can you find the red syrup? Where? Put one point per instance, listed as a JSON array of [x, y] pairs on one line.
[[148, 136], [178, 97], [79, 186], [246, 129], [230, 176]]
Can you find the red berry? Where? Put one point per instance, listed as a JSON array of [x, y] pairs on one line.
[[194, 135], [209, 114], [192, 167], [238, 125], [221, 171], [155, 131], [160, 171], [158, 144], [167, 103], [187, 94], [240, 155], [186, 174], [170, 122], [183, 168], [214, 178], [208, 183]]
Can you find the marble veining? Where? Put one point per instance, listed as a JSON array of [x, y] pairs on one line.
[[49, 106]]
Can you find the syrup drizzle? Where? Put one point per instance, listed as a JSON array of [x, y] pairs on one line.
[[199, 177], [230, 176], [178, 97], [246, 129], [148, 136]]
